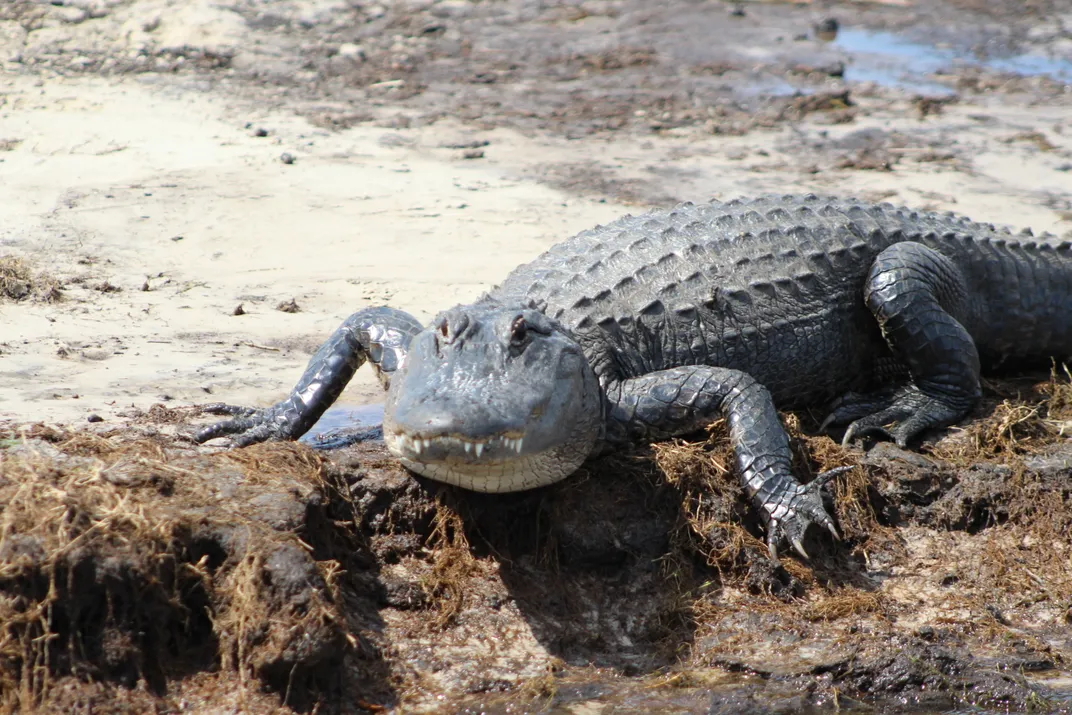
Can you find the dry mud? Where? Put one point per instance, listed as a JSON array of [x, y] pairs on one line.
[[163, 163]]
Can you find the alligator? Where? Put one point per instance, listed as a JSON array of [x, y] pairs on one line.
[[659, 324]]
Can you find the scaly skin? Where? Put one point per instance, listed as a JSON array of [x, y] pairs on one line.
[[656, 325]]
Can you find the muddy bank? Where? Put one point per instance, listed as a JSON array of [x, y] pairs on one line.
[[134, 562]]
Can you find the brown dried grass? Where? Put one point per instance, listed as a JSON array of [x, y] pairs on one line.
[[453, 565], [842, 603], [1017, 425], [94, 499], [18, 281], [704, 477]]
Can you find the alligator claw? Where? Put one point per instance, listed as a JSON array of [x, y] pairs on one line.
[[222, 408], [910, 413], [853, 405], [804, 508], [248, 425]]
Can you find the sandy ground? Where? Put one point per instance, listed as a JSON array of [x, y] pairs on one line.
[[168, 197], [157, 203]]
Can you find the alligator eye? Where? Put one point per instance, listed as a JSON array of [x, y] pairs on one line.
[[518, 331]]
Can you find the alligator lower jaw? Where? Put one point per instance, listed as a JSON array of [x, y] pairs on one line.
[[454, 447], [527, 472], [496, 464]]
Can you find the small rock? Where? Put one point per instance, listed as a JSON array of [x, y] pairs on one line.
[[286, 157], [239, 310], [473, 154], [827, 29], [96, 354], [95, 418], [288, 306], [737, 11], [260, 132], [69, 14], [350, 51], [475, 143]]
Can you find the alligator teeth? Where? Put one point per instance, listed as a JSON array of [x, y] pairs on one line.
[[399, 443]]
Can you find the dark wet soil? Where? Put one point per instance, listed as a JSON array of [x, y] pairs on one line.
[[599, 66], [582, 68]]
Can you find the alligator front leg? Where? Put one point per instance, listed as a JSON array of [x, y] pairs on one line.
[[684, 399], [379, 335], [920, 300]]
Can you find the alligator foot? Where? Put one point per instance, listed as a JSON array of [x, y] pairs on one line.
[[899, 415], [918, 297], [378, 335], [798, 509], [248, 424]]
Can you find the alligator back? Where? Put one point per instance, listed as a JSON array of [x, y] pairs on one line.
[[773, 286]]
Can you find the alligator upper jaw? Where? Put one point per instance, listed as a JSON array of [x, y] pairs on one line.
[[455, 448]]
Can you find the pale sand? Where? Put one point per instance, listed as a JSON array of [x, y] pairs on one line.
[[110, 173]]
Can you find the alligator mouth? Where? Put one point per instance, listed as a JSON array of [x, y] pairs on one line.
[[454, 447]]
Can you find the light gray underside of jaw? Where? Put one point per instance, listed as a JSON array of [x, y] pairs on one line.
[[524, 472]]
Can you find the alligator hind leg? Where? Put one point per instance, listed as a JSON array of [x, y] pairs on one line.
[[919, 298], [379, 335], [684, 399]]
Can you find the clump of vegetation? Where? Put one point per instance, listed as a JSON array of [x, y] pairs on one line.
[[119, 564], [1023, 422], [19, 282]]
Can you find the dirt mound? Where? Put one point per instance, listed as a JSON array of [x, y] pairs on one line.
[[137, 569], [136, 562]]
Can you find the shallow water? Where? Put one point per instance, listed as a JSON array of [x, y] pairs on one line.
[[343, 420], [891, 60]]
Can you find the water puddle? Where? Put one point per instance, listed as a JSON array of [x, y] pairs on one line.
[[893, 61], [345, 421]]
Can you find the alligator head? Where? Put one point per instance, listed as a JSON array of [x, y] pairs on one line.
[[493, 399]]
